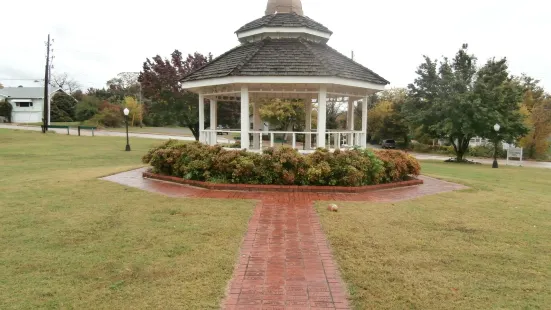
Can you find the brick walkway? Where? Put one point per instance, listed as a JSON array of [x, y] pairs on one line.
[[285, 261]]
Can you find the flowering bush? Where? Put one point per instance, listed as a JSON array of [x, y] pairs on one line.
[[282, 166]]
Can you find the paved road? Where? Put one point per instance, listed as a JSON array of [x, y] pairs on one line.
[[104, 133], [532, 164]]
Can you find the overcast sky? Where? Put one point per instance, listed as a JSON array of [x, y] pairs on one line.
[[96, 40]]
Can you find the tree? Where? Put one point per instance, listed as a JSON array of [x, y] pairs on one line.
[[536, 107], [136, 112], [6, 109], [334, 109], [160, 80], [229, 114], [78, 95], [87, 108], [65, 82], [284, 114], [125, 84], [386, 119], [102, 94], [62, 108], [454, 100]]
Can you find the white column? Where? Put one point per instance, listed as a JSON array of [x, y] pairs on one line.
[[201, 118], [213, 121], [364, 122], [322, 115], [350, 122], [245, 117], [257, 125], [308, 124]]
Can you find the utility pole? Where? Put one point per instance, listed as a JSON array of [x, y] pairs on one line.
[[352, 55], [46, 90]]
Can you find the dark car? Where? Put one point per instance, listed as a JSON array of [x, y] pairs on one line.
[[388, 144]]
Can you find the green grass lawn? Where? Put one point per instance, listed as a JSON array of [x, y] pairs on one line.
[[488, 247], [70, 124], [173, 131], [71, 241]]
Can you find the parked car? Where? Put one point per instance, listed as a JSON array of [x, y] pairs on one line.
[[388, 144]]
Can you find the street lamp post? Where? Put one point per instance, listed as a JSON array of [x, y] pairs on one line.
[[496, 128], [126, 112]]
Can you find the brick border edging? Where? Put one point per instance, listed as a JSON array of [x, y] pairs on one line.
[[282, 188]]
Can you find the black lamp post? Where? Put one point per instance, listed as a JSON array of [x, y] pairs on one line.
[[496, 128], [126, 112]]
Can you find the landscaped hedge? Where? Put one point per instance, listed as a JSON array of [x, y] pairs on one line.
[[281, 166]]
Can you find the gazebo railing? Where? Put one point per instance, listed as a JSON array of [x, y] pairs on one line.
[[340, 139]]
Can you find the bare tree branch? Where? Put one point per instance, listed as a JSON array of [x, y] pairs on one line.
[[63, 81]]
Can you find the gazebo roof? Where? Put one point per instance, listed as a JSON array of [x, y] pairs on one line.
[[285, 57], [285, 20]]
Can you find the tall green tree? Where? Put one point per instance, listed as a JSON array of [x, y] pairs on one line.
[[124, 85], [284, 114], [386, 118], [454, 100], [6, 109], [160, 80], [62, 107], [87, 108], [536, 106]]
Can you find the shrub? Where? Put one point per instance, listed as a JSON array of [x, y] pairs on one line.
[[6, 109], [283, 166], [85, 111], [487, 151], [397, 165], [108, 118]]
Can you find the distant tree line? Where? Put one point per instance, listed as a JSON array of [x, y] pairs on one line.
[[451, 99]]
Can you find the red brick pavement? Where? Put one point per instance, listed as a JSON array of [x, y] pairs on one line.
[[285, 261]]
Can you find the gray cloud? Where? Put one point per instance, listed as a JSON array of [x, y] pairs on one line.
[[95, 43]]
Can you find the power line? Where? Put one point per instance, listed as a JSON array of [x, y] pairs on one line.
[[35, 80]]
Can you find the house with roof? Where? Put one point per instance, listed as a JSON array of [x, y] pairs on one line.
[[27, 102]]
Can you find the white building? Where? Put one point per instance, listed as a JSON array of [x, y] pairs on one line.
[[27, 102]]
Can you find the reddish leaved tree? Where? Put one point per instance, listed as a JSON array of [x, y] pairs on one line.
[[160, 80]]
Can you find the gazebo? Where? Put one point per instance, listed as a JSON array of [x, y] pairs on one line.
[[284, 55]]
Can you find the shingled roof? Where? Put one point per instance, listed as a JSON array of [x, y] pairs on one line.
[[284, 20], [285, 57]]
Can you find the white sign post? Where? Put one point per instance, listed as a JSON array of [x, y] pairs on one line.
[[514, 152]]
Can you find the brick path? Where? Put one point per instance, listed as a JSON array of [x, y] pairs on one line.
[[285, 261]]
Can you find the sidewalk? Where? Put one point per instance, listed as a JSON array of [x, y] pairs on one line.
[[103, 133], [487, 161], [285, 261]]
